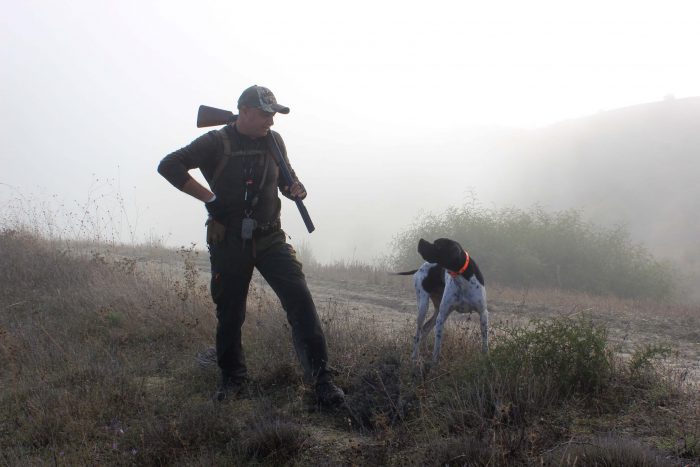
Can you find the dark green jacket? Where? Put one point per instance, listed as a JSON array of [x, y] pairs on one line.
[[205, 153]]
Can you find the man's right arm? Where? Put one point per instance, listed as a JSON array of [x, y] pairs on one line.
[[195, 189], [201, 153]]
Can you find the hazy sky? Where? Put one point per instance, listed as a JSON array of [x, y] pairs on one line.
[[95, 93]]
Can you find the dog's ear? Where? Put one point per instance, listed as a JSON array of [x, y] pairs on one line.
[[427, 251]]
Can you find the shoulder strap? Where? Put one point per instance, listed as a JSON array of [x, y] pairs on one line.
[[226, 141]]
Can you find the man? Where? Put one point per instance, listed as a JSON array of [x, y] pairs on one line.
[[243, 232]]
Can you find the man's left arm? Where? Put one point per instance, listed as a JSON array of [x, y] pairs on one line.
[[297, 190]]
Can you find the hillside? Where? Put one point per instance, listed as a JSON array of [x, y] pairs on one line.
[[97, 367], [635, 166]]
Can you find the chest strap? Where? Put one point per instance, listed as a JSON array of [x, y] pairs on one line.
[[227, 153]]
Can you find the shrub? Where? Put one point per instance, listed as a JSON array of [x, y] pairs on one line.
[[570, 354], [516, 399], [643, 359], [612, 451], [539, 249]]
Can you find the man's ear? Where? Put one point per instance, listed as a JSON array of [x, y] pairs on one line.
[[427, 251]]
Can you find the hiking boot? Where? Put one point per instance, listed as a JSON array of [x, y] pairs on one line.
[[230, 388], [329, 395]]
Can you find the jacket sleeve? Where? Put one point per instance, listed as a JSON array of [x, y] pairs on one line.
[[200, 153], [281, 183]]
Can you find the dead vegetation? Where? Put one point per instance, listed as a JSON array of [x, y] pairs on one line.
[[97, 366]]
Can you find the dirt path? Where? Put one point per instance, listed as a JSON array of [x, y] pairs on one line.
[[630, 325]]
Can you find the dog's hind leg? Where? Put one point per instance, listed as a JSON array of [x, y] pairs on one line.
[[422, 299], [428, 326], [479, 300]]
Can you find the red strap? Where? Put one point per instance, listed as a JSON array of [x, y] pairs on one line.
[[464, 268]]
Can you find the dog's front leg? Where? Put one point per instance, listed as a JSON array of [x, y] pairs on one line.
[[484, 319], [422, 298], [445, 309]]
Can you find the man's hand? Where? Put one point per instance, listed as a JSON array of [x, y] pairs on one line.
[[216, 232], [215, 209], [297, 191]]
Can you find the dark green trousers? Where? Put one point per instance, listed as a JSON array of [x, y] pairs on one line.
[[232, 269]]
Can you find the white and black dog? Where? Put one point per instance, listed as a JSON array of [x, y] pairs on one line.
[[452, 281]]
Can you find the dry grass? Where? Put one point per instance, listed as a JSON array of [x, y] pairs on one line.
[[97, 367]]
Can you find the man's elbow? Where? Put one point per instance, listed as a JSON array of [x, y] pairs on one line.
[[173, 174], [162, 167]]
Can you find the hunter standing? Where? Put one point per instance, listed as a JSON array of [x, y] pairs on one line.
[[244, 232]]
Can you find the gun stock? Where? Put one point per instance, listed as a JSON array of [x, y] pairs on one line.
[[211, 116]]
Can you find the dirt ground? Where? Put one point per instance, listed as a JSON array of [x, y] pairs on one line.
[[630, 324]]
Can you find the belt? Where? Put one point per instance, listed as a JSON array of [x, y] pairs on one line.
[[266, 229]]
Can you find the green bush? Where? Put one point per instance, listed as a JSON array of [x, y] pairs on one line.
[[571, 355], [535, 248], [531, 374]]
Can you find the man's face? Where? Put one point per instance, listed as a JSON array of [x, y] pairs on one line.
[[254, 122]]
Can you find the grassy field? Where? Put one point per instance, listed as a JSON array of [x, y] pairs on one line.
[[98, 367]]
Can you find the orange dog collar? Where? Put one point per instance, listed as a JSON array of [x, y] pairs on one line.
[[464, 268]]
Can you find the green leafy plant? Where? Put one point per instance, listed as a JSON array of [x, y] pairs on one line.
[[570, 354]]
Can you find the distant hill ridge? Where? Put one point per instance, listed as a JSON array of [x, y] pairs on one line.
[[669, 108], [637, 166]]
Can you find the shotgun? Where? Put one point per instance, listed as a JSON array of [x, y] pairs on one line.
[[211, 116]]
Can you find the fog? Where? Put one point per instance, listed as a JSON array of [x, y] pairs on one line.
[[397, 108]]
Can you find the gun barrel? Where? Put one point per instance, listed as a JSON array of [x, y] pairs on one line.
[[211, 116], [287, 176]]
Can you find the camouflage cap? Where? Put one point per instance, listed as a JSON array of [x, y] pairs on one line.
[[262, 98]]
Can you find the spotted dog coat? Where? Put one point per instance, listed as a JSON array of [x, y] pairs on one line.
[[452, 281]]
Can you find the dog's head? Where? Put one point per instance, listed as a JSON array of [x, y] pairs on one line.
[[445, 252]]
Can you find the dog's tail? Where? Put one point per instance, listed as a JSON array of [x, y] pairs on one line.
[[405, 273]]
